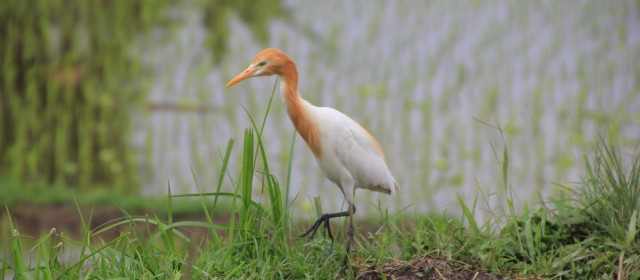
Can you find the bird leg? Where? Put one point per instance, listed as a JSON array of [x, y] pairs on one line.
[[325, 219], [350, 236]]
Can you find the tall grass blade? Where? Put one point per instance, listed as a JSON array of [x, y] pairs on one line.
[[223, 170], [469, 215], [19, 267], [505, 167], [288, 185], [246, 179], [86, 232], [266, 113], [207, 215], [169, 234], [318, 206], [528, 233], [633, 229], [46, 255], [167, 238]]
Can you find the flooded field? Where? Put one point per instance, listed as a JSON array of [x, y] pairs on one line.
[[445, 86]]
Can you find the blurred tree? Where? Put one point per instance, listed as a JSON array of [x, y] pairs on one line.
[[69, 80], [256, 14]]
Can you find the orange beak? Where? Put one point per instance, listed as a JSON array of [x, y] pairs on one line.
[[242, 76]]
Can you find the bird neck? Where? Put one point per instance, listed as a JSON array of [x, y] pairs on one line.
[[299, 109]]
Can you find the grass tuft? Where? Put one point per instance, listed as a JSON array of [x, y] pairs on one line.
[[610, 195]]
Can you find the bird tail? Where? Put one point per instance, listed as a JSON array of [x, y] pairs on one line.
[[395, 187]]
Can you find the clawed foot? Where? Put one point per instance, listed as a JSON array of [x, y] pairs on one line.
[[314, 229], [350, 233]]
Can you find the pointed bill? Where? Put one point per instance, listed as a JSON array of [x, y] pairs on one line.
[[242, 76]]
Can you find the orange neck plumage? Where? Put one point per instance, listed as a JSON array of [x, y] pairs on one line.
[[298, 109]]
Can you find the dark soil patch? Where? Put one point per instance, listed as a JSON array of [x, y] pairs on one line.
[[424, 268]]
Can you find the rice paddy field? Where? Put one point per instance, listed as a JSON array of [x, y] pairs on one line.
[[445, 86], [512, 128]]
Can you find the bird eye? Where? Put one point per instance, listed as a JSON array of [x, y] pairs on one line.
[[262, 63]]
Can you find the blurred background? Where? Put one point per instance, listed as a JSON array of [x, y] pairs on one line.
[[104, 101]]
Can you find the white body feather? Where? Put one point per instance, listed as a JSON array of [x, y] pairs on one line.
[[349, 158]]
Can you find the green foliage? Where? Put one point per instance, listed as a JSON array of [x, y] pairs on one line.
[[68, 83], [256, 15], [610, 194], [70, 80]]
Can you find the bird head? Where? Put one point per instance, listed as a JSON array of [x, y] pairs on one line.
[[268, 62]]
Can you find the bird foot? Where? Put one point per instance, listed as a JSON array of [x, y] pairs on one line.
[[314, 229]]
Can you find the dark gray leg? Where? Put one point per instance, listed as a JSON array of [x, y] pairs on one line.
[[350, 236]]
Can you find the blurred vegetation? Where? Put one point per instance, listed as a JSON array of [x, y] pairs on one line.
[[66, 87], [70, 80], [256, 15]]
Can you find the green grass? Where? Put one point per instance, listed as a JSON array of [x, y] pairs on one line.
[[591, 234]]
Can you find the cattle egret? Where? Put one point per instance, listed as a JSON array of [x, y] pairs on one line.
[[347, 153]]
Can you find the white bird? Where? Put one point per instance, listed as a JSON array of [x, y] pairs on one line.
[[346, 152]]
